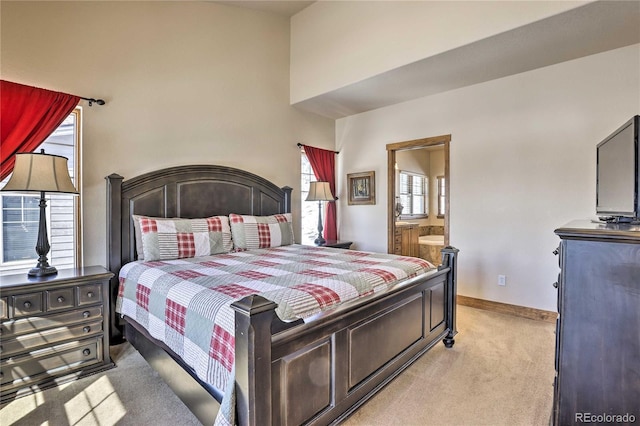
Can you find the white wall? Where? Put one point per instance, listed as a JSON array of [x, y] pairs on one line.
[[337, 43], [522, 164], [185, 83]]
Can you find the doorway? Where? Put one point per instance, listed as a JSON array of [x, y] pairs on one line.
[[392, 150]]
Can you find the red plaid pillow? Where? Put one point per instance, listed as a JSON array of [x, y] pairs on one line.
[[253, 232], [176, 238]]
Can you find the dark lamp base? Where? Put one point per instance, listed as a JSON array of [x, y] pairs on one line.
[[42, 271], [319, 241]]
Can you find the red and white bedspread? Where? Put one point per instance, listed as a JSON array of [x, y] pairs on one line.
[[185, 303]]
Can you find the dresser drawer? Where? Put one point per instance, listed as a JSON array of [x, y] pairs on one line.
[[4, 308], [27, 304], [60, 299], [52, 329], [9, 329], [48, 337], [89, 294], [57, 360]]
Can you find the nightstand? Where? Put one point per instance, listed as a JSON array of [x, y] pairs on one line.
[[54, 329], [337, 244]]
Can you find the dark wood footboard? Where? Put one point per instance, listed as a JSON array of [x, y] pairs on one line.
[[322, 371]]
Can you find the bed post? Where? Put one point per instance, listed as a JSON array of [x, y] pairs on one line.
[[287, 199], [254, 315], [114, 250], [449, 259]]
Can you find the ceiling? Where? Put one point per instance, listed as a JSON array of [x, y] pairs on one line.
[[284, 7], [586, 30], [593, 28]]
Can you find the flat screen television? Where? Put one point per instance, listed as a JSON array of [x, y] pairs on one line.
[[618, 174]]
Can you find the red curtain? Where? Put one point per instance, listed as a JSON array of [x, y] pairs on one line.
[[323, 165], [28, 115]]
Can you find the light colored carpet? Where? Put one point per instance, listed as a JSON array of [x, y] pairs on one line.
[[499, 372]]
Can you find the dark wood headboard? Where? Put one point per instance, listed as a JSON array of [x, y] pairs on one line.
[[185, 191]]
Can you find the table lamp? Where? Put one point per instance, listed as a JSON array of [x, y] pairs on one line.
[[40, 172], [319, 191]]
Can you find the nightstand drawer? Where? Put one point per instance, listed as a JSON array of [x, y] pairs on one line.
[[60, 299], [27, 304], [37, 365], [10, 329], [88, 294], [48, 337]]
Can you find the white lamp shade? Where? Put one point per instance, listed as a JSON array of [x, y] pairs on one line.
[[319, 191], [41, 172]]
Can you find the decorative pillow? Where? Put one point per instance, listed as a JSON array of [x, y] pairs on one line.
[[176, 238], [138, 235], [252, 232]]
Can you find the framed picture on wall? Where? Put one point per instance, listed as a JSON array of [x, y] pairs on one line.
[[362, 188]]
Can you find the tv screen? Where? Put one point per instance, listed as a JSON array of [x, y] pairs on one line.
[[617, 173]]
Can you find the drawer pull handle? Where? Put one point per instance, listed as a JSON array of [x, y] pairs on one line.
[[556, 252], [86, 314], [90, 294], [555, 285], [86, 329], [86, 352], [27, 304], [60, 299]]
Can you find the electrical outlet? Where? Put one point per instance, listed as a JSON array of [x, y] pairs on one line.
[[502, 280]]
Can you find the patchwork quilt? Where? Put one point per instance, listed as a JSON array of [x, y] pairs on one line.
[[185, 303]]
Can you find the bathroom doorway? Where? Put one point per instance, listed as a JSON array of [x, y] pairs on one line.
[[398, 219]]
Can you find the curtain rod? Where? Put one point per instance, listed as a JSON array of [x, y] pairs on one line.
[[300, 146], [92, 100]]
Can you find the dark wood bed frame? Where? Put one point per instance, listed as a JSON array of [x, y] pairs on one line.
[[317, 372]]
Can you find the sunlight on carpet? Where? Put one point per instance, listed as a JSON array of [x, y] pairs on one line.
[[96, 405]]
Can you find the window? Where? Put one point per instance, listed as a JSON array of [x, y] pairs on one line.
[[21, 213], [308, 209], [442, 196], [20, 216], [413, 195]]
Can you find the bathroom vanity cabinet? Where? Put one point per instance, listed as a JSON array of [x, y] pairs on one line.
[[406, 239]]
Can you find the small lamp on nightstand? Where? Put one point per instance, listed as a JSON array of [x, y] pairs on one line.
[[40, 172], [319, 191]]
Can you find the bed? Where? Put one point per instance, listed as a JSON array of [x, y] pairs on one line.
[[316, 370]]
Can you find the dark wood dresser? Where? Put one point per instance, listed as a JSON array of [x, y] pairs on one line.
[[52, 329], [598, 328]]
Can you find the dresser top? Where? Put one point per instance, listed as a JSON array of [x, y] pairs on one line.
[[66, 275], [594, 230]]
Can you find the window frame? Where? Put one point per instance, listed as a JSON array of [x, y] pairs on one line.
[[308, 232], [442, 196], [18, 266]]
